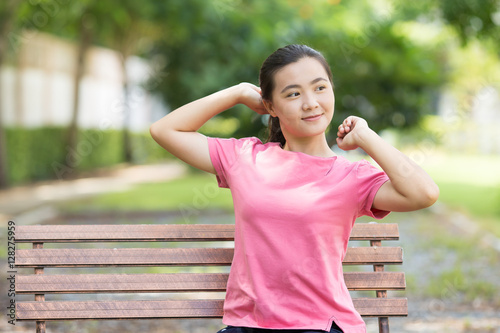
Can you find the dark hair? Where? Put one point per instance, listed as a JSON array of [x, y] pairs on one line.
[[276, 61]]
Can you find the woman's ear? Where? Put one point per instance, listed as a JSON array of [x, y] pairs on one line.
[[269, 107]]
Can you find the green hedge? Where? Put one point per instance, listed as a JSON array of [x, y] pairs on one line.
[[30, 153], [146, 150], [41, 153]]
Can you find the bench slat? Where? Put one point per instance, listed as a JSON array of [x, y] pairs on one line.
[[71, 310], [381, 307], [178, 282], [170, 233], [118, 283], [373, 256], [124, 257], [375, 231], [175, 257], [375, 280], [126, 233]]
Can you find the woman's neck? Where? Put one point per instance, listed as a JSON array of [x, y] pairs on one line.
[[316, 146]]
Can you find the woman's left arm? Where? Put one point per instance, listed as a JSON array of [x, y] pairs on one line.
[[409, 188]]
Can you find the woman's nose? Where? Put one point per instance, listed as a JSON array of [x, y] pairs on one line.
[[309, 102]]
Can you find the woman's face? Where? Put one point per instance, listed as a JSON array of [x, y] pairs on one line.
[[302, 99]]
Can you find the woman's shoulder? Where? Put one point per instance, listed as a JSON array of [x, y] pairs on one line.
[[361, 169], [356, 166], [251, 139], [353, 162], [254, 144], [244, 144]]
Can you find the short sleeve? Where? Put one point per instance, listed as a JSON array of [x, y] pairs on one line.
[[224, 153], [370, 179]]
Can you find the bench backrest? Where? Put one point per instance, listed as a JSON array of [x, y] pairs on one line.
[[219, 252]]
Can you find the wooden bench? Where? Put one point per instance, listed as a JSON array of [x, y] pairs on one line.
[[44, 285]]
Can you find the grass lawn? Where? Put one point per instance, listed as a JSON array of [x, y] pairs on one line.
[[197, 191], [469, 184]]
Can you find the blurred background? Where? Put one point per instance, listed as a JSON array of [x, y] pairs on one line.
[[81, 82]]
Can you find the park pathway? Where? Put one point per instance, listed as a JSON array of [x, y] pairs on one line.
[[32, 203]]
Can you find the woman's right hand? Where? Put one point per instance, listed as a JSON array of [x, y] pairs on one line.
[[250, 95]]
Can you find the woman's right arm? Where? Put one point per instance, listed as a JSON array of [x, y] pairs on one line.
[[177, 131]]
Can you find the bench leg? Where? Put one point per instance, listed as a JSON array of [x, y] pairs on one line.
[[40, 326], [383, 324]]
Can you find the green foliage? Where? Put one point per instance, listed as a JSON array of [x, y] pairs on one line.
[[96, 149], [390, 82], [40, 153], [30, 153], [473, 18], [382, 72], [220, 127], [379, 73]]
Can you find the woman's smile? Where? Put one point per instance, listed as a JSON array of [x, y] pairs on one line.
[[313, 117]]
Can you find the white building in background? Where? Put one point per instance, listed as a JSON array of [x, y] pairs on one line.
[[474, 127], [38, 89], [486, 117]]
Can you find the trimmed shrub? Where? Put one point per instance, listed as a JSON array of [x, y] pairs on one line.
[[41, 153]]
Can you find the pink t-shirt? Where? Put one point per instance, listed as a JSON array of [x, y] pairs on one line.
[[294, 213]]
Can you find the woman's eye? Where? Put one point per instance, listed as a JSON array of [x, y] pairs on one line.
[[294, 94], [321, 88]]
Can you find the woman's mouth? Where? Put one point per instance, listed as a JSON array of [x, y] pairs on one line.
[[313, 117]]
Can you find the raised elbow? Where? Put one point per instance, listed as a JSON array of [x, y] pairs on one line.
[[154, 130], [430, 195]]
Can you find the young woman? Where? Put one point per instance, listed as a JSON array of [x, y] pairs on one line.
[[295, 201]]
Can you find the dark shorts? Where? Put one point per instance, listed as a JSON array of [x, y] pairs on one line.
[[233, 329]]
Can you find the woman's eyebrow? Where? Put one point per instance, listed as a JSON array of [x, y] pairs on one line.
[[291, 86]]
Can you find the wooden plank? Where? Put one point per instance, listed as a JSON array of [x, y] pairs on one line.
[[73, 310], [373, 256], [178, 282], [176, 257], [375, 231], [121, 283], [375, 280], [125, 233], [381, 307], [168, 233], [124, 257]]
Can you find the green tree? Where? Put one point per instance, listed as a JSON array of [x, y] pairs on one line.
[[71, 20], [473, 18], [119, 25], [379, 73], [125, 24], [211, 45]]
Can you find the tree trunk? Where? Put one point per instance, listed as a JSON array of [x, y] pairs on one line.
[[127, 142], [4, 180], [72, 134], [7, 20]]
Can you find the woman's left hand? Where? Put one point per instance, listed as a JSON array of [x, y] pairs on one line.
[[348, 137]]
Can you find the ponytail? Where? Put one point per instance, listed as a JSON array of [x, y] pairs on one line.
[[275, 134]]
